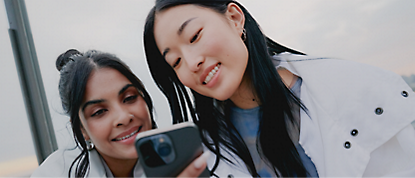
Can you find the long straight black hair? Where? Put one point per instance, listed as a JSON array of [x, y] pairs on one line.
[[75, 69], [218, 133]]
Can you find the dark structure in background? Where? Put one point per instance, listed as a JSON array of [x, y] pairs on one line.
[[30, 77]]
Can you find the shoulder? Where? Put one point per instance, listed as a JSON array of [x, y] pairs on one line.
[[341, 75], [57, 164], [60, 161], [354, 94], [287, 77], [305, 63], [339, 85], [342, 97]]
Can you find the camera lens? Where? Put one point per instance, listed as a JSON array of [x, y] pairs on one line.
[[164, 149]]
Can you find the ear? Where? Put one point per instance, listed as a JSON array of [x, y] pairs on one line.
[[237, 17], [85, 134]]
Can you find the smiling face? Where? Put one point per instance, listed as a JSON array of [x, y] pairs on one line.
[[204, 47], [112, 113]]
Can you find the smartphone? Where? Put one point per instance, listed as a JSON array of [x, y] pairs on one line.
[[166, 152]]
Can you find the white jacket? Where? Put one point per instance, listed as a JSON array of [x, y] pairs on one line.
[[359, 121], [58, 163]]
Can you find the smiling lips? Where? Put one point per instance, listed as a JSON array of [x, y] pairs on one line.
[[127, 136], [212, 73]]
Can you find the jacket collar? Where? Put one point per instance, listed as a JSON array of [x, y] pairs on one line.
[[310, 135], [96, 165]]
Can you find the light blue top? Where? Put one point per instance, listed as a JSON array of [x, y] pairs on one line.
[[247, 123]]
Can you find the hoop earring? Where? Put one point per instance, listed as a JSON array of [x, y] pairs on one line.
[[243, 36], [89, 145]]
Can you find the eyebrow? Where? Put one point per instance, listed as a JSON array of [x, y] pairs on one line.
[[125, 88], [91, 103], [179, 32], [102, 100]]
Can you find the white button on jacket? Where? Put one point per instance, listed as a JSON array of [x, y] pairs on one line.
[[358, 122]]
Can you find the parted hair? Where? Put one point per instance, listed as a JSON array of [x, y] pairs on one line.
[[75, 68], [218, 133]]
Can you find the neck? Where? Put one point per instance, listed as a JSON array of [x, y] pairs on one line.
[[120, 167], [245, 97]]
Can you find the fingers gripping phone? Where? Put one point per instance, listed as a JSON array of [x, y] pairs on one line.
[[167, 152]]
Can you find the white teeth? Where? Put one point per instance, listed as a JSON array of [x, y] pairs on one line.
[[127, 136], [211, 74]]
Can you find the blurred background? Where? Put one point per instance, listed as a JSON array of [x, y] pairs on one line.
[[375, 32]]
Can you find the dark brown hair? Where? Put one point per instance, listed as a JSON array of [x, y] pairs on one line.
[[75, 68]]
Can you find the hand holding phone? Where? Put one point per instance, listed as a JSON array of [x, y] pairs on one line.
[[196, 168], [169, 152]]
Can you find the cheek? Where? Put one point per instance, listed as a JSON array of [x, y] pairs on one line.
[[142, 112], [185, 77], [98, 129], [227, 46], [214, 46]]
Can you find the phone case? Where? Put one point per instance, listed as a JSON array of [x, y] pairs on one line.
[[161, 157]]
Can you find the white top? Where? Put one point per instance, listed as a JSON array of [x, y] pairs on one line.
[[359, 124], [58, 163], [359, 121]]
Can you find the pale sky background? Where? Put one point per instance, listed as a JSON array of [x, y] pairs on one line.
[[375, 32]]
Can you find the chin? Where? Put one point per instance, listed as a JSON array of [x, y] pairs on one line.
[[218, 96], [221, 97], [131, 156], [129, 153]]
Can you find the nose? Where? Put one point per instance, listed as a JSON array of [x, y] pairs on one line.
[[194, 61], [123, 118]]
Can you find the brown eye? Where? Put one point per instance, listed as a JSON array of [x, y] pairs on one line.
[[130, 98], [99, 112], [177, 62], [196, 36]]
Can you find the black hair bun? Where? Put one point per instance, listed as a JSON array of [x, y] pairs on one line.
[[64, 58]]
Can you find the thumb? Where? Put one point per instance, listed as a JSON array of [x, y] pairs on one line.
[[195, 168]]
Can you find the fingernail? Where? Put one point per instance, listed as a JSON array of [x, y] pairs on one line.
[[201, 160]]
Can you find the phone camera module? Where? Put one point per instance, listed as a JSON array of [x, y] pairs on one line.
[[164, 149], [158, 150]]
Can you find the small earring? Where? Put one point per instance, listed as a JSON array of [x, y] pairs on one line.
[[89, 145], [132, 115], [243, 35]]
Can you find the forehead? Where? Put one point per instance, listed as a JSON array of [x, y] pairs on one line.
[[180, 11], [168, 21], [104, 81]]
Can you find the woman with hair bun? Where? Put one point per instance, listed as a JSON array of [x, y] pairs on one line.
[[265, 110], [108, 106]]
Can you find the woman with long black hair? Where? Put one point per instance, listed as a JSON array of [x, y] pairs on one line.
[[108, 106], [266, 110]]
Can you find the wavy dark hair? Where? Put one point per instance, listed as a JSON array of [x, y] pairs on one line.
[[75, 68], [218, 133]]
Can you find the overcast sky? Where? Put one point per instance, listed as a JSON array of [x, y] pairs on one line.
[[375, 32]]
